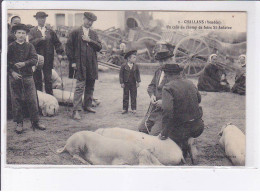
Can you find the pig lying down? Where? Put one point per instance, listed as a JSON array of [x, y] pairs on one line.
[[233, 141], [167, 151], [93, 148], [48, 104], [67, 97]]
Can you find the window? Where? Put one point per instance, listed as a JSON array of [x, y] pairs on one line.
[[60, 19]]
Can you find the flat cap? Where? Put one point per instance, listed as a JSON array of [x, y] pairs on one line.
[[20, 27], [129, 53], [40, 14], [90, 16]]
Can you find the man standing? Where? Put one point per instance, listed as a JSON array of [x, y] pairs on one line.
[[182, 115], [14, 20], [152, 121], [45, 41], [82, 47]]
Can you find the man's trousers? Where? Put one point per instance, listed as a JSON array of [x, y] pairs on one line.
[[23, 92], [47, 72], [129, 88], [88, 86]]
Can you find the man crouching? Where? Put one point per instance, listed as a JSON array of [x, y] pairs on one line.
[[182, 115], [21, 57]]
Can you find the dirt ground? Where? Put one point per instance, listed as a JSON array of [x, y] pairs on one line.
[[37, 147]]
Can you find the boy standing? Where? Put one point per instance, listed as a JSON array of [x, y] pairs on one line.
[[129, 79], [21, 57]]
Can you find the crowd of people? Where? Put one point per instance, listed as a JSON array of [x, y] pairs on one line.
[[174, 110]]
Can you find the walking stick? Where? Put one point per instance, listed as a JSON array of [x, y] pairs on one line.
[[62, 87], [74, 71]]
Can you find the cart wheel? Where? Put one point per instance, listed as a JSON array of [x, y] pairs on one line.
[[148, 44], [192, 53]]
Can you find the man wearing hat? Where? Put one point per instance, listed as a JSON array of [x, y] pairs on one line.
[[129, 78], [182, 115], [81, 48], [45, 41], [21, 57], [151, 123]]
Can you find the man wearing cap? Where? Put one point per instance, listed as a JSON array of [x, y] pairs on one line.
[[45, 41], [151, 123], [21, 57], [129, 78], [81, 48], [182, 115]]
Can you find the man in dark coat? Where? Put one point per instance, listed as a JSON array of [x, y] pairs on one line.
[[45, 41], [240, 80], [151, 123], [129, 78], [82, 47], [182, 115], [213, 78]]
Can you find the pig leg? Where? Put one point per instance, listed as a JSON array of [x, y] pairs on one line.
[[192, 150], [146, 158], [118, 161], [76, 156]]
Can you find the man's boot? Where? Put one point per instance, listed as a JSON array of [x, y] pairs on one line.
[[124, 112], [37, 125], [76, 115], [19, 128], [89, 109], [193, 151]]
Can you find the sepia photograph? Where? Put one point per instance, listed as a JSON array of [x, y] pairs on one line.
[[126, 88]]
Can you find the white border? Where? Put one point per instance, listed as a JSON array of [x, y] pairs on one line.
[[147, 178]]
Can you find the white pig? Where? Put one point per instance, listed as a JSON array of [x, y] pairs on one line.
[[93, 148], [233, 141], [167, 151], [48, 104]]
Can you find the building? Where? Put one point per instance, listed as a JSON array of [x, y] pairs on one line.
[[106, 19]]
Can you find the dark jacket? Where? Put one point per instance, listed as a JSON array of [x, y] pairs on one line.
[[180, 103], [153, 86], [240, 82], [46, 47], [21, 53], [84, 54], [210, 79], [11, 36], [125, 73]]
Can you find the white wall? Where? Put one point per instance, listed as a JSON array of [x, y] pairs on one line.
[[106, 19]]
